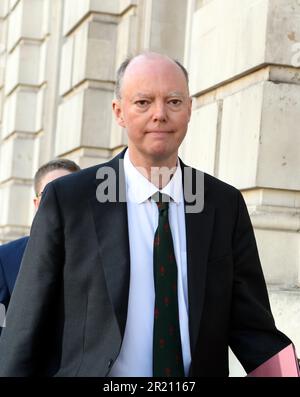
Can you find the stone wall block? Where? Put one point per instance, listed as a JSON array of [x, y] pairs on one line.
[[69, 124], [167, 29], [199, 147], [240, 134], [65, 83], [286, 310], [98, 117], [20, 112], [15, 196], [258, 126], [15, 26], [24, 66], [102, 37], [279, 253], [127, 37], [84, 120], [283, 33], [16, 158], [3, 52], [27, 20], [77, 10], [96, 41], [13, 3], [232, 35], [80, 54], [279, 159], [3, 8]]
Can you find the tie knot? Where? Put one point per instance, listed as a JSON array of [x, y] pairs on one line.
[[162, 200]]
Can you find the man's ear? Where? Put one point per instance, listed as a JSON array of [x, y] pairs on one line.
[[36, 203], [116, 106]]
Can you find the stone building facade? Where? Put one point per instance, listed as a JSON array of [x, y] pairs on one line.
[[58, 60]]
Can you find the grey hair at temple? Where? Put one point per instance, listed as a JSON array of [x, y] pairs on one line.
[[122, 68]]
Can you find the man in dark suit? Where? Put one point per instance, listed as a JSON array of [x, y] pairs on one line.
[[10, 259], [107, 256], [11, 253]]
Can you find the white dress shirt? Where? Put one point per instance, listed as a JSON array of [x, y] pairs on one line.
[[135, 358]]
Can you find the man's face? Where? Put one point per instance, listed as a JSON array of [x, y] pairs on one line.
[[155, 108], [49, 177]]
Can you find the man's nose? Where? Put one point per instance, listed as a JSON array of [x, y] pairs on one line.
[[160, 112]]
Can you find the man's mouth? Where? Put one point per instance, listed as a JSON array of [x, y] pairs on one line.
[[159, 132]]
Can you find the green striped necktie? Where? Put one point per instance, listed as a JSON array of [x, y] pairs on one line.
[[167, 352]]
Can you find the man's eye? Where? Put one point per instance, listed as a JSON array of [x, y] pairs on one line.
[[175, 102], [142, 103]]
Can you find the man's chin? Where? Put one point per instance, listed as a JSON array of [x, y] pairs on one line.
[[161, 155]]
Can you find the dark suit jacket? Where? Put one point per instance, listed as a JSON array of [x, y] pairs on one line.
[[68, 311], [10, 260]]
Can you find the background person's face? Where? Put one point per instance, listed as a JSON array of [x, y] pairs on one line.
[[49, 177], [155, 109]]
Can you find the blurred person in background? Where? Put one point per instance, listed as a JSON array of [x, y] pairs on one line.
[[11, 253]]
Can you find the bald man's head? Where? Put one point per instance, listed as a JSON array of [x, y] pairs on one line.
[[154, 106], [151, 55]]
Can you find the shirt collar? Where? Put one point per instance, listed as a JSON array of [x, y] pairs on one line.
[[139, 188]]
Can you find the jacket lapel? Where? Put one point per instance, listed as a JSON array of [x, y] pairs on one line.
[[199, 227], [112, 232]]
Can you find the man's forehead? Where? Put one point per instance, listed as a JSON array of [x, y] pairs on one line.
[[142, 62], [152, 57], [153, 73], [149, 72]]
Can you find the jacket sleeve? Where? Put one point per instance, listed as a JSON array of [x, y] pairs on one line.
[[23, 343], [254, 337]]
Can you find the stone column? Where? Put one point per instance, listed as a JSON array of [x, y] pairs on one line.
[[96, 36], [245, 78], [24, 30], [162, 26]]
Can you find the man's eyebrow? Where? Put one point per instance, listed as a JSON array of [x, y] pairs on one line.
[[149, 95], [142, 94], [175, 93]]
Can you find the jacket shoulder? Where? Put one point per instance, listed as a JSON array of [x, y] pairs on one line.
[[216, 192], [211, 183], [217, 185], [85, 181], [13, 246]]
